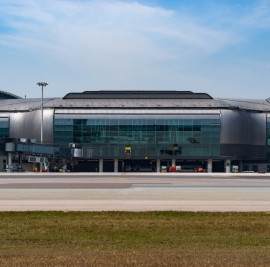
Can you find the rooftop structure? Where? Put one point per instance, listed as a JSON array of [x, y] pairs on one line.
[[6, 95], [137, 95]]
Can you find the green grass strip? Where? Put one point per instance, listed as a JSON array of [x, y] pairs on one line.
[[131, 239]]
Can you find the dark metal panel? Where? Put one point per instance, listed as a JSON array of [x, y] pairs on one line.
[[237, 151], [137, 95], [28, 125], [243, 127], [243, 134]]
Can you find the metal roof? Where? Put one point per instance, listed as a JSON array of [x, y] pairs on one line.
[[15, 105], [6, 95]]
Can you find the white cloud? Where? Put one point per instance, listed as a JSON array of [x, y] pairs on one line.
[[106, 44], [69, 22]]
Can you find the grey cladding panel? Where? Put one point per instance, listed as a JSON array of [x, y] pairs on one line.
[[243, 128], [28, 125]]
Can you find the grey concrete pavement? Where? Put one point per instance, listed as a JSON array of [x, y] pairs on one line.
[[134, 192]]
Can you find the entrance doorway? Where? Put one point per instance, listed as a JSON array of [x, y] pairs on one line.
[[218, 166]]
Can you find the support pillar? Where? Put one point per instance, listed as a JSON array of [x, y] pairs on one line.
[[158, 165], [64, 168], [115, 165], [1, 165], [100, 165], [173, 163], [228, 165], [123, 166], [240, 165], [209, 165], [9, 160]]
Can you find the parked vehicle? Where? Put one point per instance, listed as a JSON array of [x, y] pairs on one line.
[[17, 169], [163, 169], [200, 170]]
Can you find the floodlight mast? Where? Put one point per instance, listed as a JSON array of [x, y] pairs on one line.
[[42, 84]]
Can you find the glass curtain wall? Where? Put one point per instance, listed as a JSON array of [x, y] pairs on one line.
[[268, 137], [4, 127], [159, 138]]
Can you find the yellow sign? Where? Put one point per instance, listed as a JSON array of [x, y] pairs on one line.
[[128, 148]]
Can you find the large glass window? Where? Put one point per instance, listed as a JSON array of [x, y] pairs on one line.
[[146, 137], [4, 127], [268, 132], [268, 136]]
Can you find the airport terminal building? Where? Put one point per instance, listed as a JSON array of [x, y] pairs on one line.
[[125, 131]]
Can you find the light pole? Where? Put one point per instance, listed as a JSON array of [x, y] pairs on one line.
[[42, 84]]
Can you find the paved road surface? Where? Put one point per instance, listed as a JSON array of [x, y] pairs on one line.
[[134, 192]]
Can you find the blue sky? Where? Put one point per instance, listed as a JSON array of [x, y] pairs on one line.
[[218, 47]]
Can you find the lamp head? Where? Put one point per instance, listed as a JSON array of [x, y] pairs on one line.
[[42, 84]]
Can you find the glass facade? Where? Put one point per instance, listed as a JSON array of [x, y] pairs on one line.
[[4, 128], [157, 138], [268, 137]]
